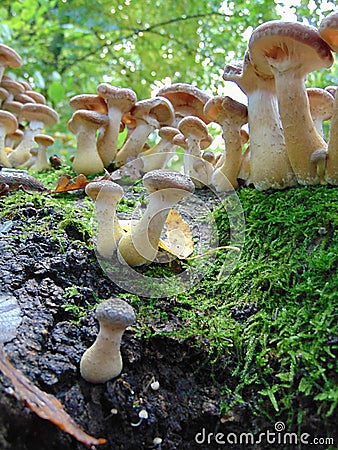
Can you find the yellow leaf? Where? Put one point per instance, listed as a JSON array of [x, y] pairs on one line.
[[178, 240]]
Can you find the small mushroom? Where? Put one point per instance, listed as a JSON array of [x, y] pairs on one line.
[[44, 141], [84, 124], [103, 361], [106, 195], [149, 115], [166, 188], [321, 107], [119, 102]]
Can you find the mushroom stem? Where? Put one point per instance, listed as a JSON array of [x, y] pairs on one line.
[[331, 174], [301, 136]]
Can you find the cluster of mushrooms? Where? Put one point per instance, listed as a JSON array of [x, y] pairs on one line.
[[23, 117], [274, 142]]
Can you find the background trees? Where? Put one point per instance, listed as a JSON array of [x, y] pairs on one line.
[[69, 46]]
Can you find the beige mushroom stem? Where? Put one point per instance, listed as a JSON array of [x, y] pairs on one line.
[[231, 115], [166, 188], [103, 361], [8, 125], [119, 102], [269, 162], [149, 115], [328, 30], [157, 156], [84, 124], [106, 195], [289, 51], [38, 116]]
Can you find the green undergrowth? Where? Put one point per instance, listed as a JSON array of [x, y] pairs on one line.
[[272, 322]]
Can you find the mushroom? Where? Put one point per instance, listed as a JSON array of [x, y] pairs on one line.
[[289, 51], [231, 115], [106, 195], [187, 100], [44, 141], [321, 107], [269, 163], [149, 115], [35, 96], [195, 131], [8, 125], [12, 87], [8, 58], [38, 117], [84, 124], [328, 30], [166, 188], [103, 361], [119, 101]]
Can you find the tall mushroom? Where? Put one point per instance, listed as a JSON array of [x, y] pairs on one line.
[[8, 125], [166, 188], [231, 115], [119, 101], [102, 361], [106, 194], [269, 162], [38, 117], [84, 124], [289, 51], [149, 115], [328, 29]]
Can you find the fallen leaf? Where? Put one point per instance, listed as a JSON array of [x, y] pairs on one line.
[[44, 405], [178, 239], [66, 183]]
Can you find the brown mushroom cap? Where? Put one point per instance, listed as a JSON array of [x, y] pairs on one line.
[[13, 107], [281, 41], [158, 179], [23, 98], [36, 96], [44, 140], [180, 140], [89, 101], [115, 313], [167, 133], [91, 118], [328, 30], [8, 122], [39, 112], [123, 98], [220, 108], [3, 94], [158, 111], [9, 57], [321, 103], [186, 99], [95, 187], [12, 86], [191, 125]]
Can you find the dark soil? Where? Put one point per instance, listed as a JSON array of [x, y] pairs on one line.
[[48, 347]]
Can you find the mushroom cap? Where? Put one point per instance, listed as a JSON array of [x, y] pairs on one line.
[[167, 133], [220, 108], [319, 155], [84, 117], [157, 111], [115, 312], [3, 93], [23, 98], [321, 103], [9, 57], [39, 112], [26, 85], [44, 140], [328, 30], [193, 126], [186, 99], [295, 42], [180, 140], [209, 156], [36, 96], [8, 122], [89, 101], [13, 107], [122, 98], [158, 179], [94, 188], [332, 90], [12, 86]]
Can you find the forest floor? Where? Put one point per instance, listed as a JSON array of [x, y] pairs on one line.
[[234, 355]]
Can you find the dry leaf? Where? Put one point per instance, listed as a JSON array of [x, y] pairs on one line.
[[178, 239], [44, 405], [66, 183]]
